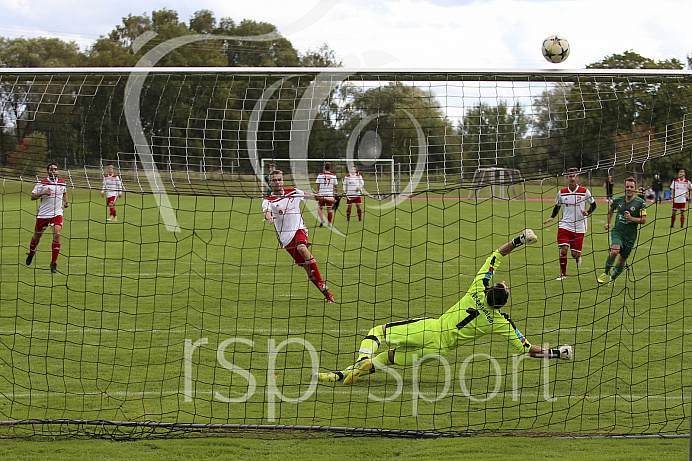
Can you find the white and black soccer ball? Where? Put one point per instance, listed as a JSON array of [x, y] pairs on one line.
[[555, 49]]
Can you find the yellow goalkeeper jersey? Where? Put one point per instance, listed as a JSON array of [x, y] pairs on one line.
[[472, 318]]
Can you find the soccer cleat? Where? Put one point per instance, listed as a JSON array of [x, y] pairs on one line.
[[110, 218], [322, 224], [329, 296], [115, 218], [361, 366], [54, 267], [604, 278], [331, 377], [578, 262], [29, 258], [562, 277]]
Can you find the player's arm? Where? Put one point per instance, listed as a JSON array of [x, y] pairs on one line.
[[611, 210], [556, 210], [37, 195], [320, 197], [268, 216], [592, 208]]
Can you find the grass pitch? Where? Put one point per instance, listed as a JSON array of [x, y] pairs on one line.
[[214, 324]]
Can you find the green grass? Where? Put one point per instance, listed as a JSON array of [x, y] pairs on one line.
[[105, 339]]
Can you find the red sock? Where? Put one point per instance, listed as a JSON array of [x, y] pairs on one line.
[[682, 220], [112, 211], [315, 273], [56, 251], [32, 246], [360, 213], [348, 213], [563, 264], [329, 216], [672, 221]]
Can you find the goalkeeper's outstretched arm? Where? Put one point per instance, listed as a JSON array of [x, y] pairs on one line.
[[527, 236], [563, 352]]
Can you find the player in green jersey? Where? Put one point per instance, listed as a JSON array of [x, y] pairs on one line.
[[476, 314], [631, 212]]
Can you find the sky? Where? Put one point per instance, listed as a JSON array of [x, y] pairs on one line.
[[403, 34]]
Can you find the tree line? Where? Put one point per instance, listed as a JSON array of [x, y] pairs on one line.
[[79, 119]]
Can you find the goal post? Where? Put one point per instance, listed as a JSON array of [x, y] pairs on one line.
[[500, 183], [185, 314]]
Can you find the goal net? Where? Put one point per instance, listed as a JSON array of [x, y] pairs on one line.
[[176, 310]]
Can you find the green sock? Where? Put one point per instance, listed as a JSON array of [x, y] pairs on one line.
[[370, 343], [616, 271], [609, 264]]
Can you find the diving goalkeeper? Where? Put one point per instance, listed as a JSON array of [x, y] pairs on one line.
[[475, 315]]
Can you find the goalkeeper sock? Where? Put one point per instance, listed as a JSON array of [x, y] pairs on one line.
[[370, 343], [609, 264], [329, 216]]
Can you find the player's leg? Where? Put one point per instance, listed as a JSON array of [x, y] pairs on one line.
[[368, 348], [672, 217], [303, 257], [622, 258], [576, 245], [682, 218], [615, 248], [348, 211], [359, 210], [320, 214], [563, 245], [412, 338], [57, 231], [41, 225], [563, 260], [330, 215]]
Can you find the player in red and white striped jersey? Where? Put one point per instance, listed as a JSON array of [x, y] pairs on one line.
[[52, 192], [282, 209], [353, 188], [573, 225], [680, 193], [113, 189], [326, 182]]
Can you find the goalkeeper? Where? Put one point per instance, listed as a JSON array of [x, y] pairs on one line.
[[476, 314]]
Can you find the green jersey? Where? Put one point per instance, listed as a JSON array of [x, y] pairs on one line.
[[623, 226], [472, 317]]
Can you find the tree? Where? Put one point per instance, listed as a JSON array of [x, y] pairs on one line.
[[494, 135]]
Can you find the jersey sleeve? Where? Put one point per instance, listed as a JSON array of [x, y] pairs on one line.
[[38, 188], [485, 275], [512, 334], [588, 198], [265, 205]]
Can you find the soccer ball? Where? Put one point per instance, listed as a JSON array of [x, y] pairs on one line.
[[555, 49]]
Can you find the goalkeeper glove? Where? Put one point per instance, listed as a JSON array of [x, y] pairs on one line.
[[337, 200], [564, 353], [528, 236]]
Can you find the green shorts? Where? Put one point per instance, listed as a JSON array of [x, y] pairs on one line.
[[626, 242], [423, 336]]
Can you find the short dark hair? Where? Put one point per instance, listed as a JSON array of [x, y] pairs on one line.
[[51, 164], [573, 171], [496, 296], [631, 179], [327, 166]]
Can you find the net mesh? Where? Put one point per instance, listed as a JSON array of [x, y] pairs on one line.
[[184, 315]]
